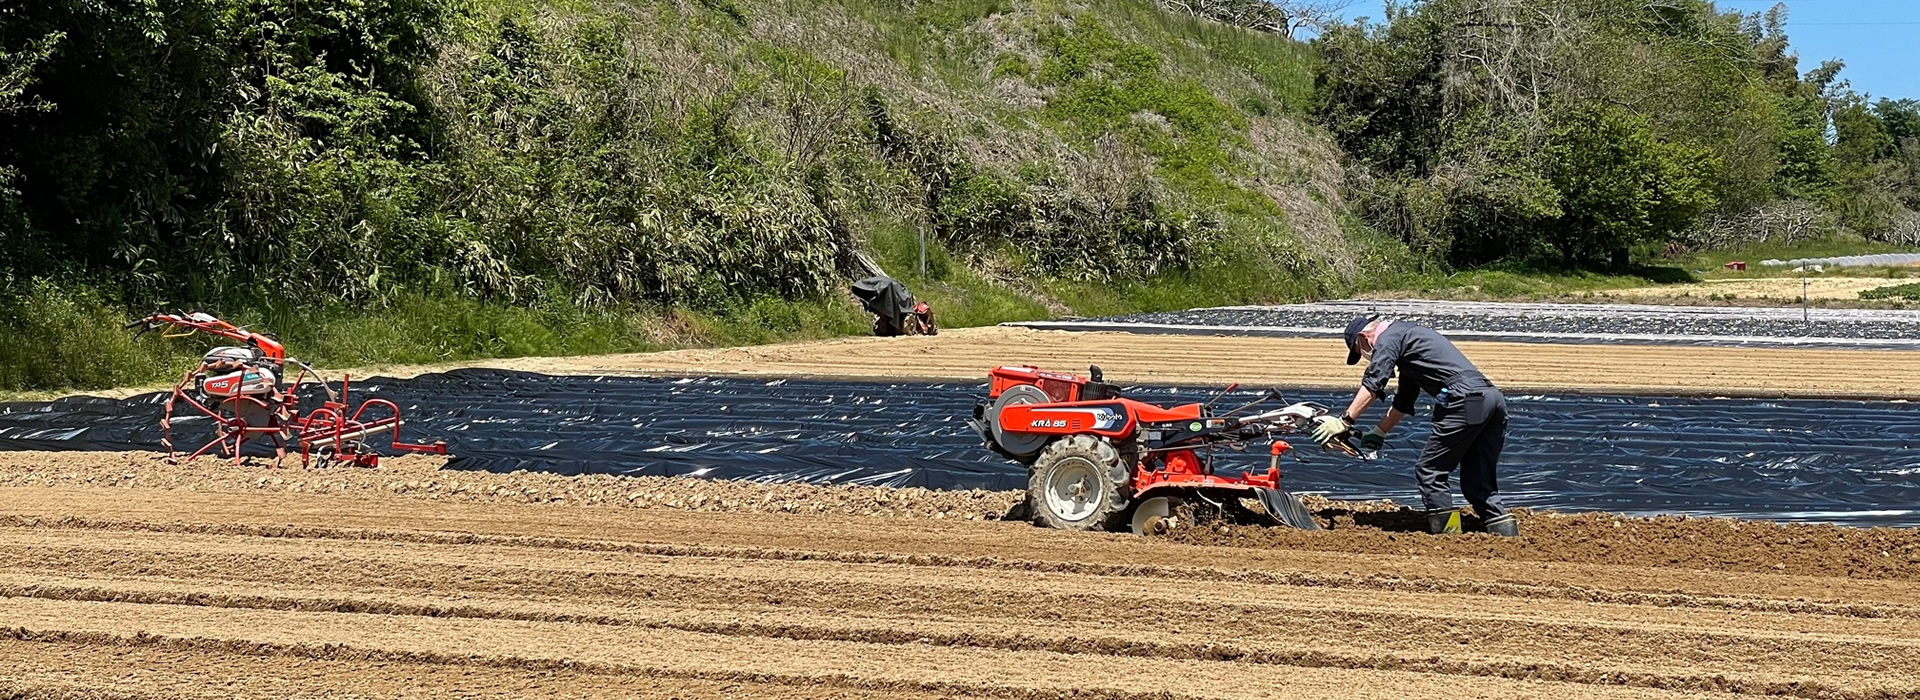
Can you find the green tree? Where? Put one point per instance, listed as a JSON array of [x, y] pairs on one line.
[[129, 107], [1620, 185], [1506, 128], [16, 75], [162, 122], [1901, 117]]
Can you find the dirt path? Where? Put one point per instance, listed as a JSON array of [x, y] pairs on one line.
[[173, 592], [967, 354], [1780, 289]]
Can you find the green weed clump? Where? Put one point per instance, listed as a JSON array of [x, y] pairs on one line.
[[52, 337], [58, 337], [1909, 292]]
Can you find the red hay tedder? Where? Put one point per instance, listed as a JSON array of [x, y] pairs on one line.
[[240, 390]]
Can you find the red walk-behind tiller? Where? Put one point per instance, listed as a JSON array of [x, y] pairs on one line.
[[239, 388], [1098, 461]]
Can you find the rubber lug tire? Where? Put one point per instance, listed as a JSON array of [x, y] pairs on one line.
[[1110, 512]]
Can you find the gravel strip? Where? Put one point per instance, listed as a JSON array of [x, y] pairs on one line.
[[1575, 323]]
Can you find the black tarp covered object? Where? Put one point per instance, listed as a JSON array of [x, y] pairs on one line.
[[1851, 462], [888, 299]]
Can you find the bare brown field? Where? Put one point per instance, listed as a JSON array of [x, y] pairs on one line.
[[122, 577], [203, 582]]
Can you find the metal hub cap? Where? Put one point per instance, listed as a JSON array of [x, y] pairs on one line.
[[1074, 489]]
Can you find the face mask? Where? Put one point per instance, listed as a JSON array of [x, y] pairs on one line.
[[1367, 337]]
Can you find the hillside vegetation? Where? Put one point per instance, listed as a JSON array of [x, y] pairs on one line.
[[1581, 129], [284, 160], [413, 180]]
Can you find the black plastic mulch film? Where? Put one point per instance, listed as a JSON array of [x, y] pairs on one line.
[[1821, 461]]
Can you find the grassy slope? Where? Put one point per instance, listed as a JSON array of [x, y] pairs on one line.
[[1211, 113]]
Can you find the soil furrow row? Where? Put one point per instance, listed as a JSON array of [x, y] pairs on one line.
[[1303, 659], [46, 669], [1590, 652], [48, 691], [892, 590], [695, 581], [1506, 670], [1202, 574], [674, 654], [934, 595], [331, 652]]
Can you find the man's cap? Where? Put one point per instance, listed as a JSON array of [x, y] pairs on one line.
[[1359, 323]]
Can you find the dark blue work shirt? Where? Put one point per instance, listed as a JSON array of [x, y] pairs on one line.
[[1427, 362]]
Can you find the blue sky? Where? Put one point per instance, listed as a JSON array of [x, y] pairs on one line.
[[1879, 39]]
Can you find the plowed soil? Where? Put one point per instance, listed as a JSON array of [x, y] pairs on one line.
[[126, 578], [966, 354], [1357, 527]]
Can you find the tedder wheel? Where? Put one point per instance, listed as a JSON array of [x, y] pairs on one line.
[[1078, 483]]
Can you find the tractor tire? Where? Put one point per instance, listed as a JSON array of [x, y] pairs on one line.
[[1079, 483]]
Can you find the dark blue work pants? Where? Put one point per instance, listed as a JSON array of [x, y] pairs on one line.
[[1459, 441]]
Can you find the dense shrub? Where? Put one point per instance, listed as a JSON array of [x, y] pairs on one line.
[[327, 150]]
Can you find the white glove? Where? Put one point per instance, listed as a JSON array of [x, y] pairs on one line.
[[1326, 428]]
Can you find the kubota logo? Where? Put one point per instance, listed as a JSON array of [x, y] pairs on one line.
[[1104, 417]]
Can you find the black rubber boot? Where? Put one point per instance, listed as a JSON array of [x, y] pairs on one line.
[[1504, 526], [1443, 522]]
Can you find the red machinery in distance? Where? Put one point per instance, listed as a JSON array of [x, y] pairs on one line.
[[240, 390], [1101, 461]]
